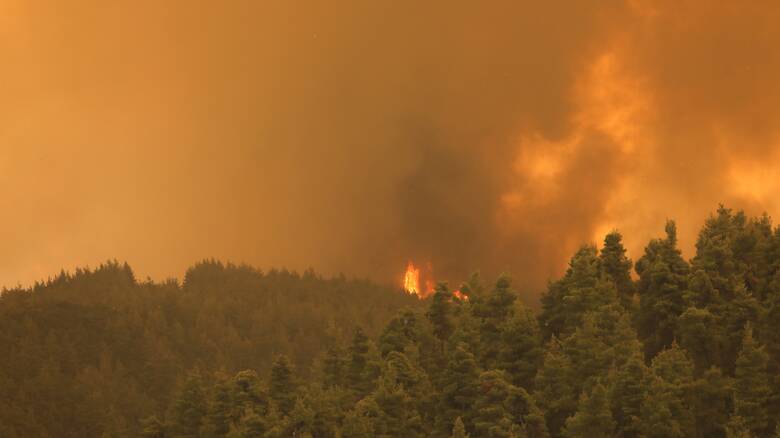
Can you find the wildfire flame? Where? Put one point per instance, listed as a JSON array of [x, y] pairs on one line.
[[411, 283], [412, 279], [460, 295]]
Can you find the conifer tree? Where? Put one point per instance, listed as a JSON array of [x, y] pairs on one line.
[[698, 333], [495, 312], [554, 392], [617, 267], [581, 290], [440, 313], [361, 371], [712, 395], [491, 417], [301, 421], [522, 353], [333, 367], [400, 332], [246, 393], [219, 410], [587, 354], [593, 418], [397, 413], [282, 387], [460, 387], [658, 413], [751, 386], [671, 390], [361, 421], [189, 409], [662, 283], [627, 393]]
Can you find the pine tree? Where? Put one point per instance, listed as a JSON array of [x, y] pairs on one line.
[[712, 395], [522, 354], [498, 307], [399, 333], [460, 387], [587, 353], [554, 391], [676, 372], [751, 387], [333, 367], [246, 393], [301, 421], [219, 409], [658, 416], [397, 413], [491, 417], [581, 290], [662, 282], [440, 312], [593, 418], [617, 268], [282, 387], [361, 421], [627, 393], [698, 333], [528, 418], [669, 398], [189, 409], [361, 369], [252, 425]]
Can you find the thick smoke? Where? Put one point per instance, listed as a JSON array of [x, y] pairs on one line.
[[352, 136]]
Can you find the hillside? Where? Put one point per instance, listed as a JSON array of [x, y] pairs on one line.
[[97, 346], [685, 348]]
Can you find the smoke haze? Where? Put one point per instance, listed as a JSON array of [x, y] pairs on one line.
[[352, 136]]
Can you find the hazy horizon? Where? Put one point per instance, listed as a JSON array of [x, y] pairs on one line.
[[353, 137]]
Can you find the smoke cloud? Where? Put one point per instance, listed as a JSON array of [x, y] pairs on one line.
[[353, 136]]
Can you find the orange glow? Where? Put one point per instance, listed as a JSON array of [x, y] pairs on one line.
[[411, 283], [412, 279], [459, 295]]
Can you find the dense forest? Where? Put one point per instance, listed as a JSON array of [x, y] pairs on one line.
[[663, 347], [94, 352]]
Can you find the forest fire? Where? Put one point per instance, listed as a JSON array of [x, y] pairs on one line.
[[412, 279], [411, 283]]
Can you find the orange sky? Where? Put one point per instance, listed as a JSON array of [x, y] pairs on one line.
[[351, 136]]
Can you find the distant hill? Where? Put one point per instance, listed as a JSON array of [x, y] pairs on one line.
[[96, 340]]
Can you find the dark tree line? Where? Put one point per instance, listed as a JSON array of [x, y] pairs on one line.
[[96, 351], [676, 348]]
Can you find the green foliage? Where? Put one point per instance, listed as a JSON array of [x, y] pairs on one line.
[[189, 409], [751, 386], [555, 393], [712, 402], [593, 417], [627, 394], [231, 352], [617, 267], [282, 387], [662, 284], [440, 312], [460, 386]]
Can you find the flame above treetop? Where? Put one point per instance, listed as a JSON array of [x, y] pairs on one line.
[[411, 283]]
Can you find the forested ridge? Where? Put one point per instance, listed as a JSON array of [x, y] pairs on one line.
[[663, 347]]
